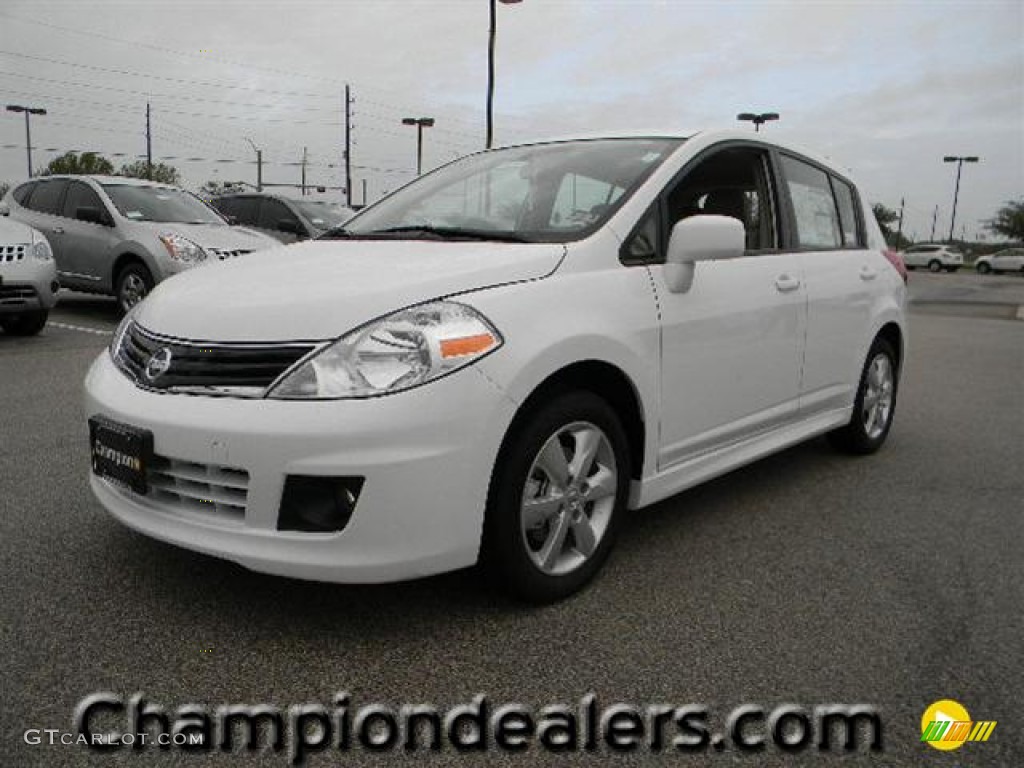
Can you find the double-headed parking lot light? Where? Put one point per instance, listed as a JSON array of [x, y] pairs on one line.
[[956, 191], [28, 131], [758, 119], [420, 123]]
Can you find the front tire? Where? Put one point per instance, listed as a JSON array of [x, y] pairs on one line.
[[25, 324], [984, 268], [556, 498], [875, 405], [134, 282]]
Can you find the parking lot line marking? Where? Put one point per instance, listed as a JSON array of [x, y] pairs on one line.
[[81, 328]]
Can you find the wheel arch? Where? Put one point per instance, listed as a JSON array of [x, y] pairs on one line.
[[605, 380], [893, 334], [125, 258]]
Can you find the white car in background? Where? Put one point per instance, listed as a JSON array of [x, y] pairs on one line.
[[1006, 260], [499, 360], [28, 278], [934, 257]]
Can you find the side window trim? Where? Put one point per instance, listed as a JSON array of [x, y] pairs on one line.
[[660, 241]]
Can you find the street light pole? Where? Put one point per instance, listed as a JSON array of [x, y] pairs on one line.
[[28, 130], [259, 164], [420, 123], [956, 190], [490, 68], [758, 118]]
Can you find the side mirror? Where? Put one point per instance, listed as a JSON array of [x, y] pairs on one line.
[[92, 215], [700, 238], [291, 226]]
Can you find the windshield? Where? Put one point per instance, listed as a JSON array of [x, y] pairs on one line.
[[539, 193], [166, 204], [323, 215]]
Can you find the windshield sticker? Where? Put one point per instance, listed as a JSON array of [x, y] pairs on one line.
[[133, 214], [650, 157], [163, 197], [318, 222]]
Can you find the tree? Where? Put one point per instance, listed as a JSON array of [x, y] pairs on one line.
[[84, 163], [166, 174], [1009, 220], [215, 188], [886, 217]]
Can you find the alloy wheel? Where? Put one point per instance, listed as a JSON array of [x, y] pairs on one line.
[[569, 498], [876, 404]]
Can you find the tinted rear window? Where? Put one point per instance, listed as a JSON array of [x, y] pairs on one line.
[[47, 196], [21, 194]]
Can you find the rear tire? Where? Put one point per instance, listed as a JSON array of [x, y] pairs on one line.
[[134, 282], [984, 268], [875, 404], [934, 266], [557, 494], [25, 324]]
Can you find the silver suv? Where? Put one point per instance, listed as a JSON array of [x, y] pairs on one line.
[[121, 236], [935, 256]]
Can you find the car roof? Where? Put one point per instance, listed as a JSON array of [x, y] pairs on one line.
[[127, 181]]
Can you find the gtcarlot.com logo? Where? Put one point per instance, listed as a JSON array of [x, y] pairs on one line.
[[946, 725]]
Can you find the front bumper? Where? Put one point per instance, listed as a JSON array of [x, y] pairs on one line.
[[427, 456], [27, 285]]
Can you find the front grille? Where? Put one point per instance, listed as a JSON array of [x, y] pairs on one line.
[[17, 295], [204, 367], [199, 489], [12, 252], [228, 253]]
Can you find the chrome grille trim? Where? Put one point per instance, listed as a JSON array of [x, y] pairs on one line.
[[13, 252], [228, 253], [238, 369], [17, 295]]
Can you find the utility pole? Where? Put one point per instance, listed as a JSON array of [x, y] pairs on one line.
[[303, 171], [899, 231], [935, 218], [492, 36], [364, 193], [149, 147], [348, 147], [420, 123]]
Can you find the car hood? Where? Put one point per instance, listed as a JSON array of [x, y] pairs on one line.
[[214, 235], [322, 289], [15, 233]]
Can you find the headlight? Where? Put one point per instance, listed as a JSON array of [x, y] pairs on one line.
[[120, 332], [182, 249], [400, 351], [41, 250]]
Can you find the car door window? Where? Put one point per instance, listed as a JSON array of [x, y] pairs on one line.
[[80, 195], [273, 212], [814, 207], [852, 237], [734, 182], [244, 210], [47, 196]]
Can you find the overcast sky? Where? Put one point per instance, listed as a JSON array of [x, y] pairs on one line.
[[886, 88]]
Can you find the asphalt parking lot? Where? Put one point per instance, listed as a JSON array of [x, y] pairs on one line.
[[809, 577]]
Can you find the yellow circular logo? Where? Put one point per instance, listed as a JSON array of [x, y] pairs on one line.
[[945, 725]]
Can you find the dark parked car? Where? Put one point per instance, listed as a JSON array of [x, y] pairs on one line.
[[287, 219]]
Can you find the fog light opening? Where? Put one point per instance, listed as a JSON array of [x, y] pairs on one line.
[[318, 504]]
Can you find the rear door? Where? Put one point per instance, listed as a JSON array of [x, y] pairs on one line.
[[88, 247], [841, 275], [46, 207]]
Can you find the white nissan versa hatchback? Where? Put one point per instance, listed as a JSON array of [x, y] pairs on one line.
[[498, 360]]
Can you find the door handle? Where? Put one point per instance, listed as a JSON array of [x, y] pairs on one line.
[[785, 283], [58, 230], [867, 273]]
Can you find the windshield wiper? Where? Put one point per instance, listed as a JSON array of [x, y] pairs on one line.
[[445, 233]]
